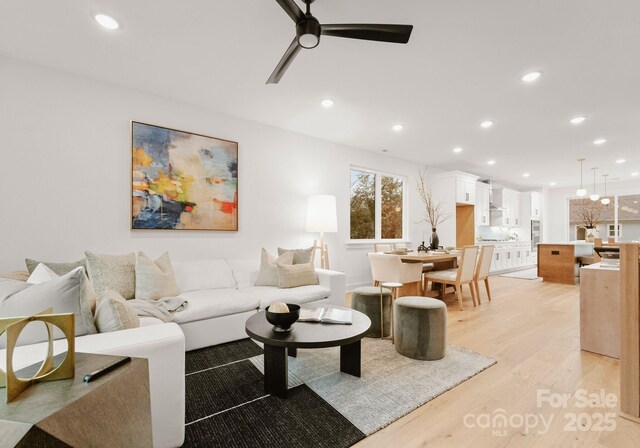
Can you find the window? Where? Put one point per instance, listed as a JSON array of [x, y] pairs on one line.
[[377, 206], [612, 230]]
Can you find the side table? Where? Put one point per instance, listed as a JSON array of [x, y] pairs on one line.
[[114, 410]]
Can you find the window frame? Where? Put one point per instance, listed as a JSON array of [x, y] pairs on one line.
[[378, 207]]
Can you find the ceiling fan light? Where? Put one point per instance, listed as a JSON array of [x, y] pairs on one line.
[[581, 192], [308, 41]]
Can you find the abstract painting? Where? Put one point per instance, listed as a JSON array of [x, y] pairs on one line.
[[182, 181]]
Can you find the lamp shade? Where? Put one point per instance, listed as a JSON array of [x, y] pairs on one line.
[[321, 214]]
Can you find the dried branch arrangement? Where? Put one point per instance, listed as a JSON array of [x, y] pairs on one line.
[[434, 214], [589, 213]]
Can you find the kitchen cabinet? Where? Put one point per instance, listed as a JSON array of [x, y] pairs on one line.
[[512, 255], [483, 198], [536, 205], [509, 201], [466, 189]]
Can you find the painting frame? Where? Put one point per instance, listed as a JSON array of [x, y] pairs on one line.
[[132, 188]]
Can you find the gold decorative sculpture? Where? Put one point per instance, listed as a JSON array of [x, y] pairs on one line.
[[47, 372]]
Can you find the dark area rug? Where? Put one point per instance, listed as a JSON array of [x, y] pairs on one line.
[[226, 406]]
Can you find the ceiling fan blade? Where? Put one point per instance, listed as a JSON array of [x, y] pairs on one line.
[[398, 34], [292, 9], [284, 63]]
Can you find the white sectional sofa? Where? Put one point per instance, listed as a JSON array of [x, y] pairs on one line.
[[221, 296]]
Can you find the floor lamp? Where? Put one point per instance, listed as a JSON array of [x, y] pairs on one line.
[[322, 217]]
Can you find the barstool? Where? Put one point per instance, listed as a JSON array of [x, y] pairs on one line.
[[393, 286]]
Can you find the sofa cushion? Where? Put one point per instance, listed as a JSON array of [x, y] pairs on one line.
[[197, 275], [208, 303], [303, 294], [245, 271]]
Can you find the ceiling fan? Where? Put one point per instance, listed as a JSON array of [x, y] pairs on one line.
[[308, 31]]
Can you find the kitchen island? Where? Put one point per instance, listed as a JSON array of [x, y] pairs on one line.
[[557, 262]]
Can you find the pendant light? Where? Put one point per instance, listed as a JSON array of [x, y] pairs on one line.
[[605, 200], [581, 191], [595, 196]]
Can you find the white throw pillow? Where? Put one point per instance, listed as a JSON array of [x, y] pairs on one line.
[[113, 313], [155, 279], [71, 293], [268, 275], [42, 273]]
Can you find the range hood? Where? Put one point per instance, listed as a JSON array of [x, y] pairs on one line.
[[495, 203]]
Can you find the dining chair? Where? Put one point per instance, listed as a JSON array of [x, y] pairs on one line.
[[457, 277], [390, 272], [382, 247], [482, 270], [400, 246]]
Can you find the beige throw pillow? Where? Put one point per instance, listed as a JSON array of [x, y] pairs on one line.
[[300, 256], [268, 275], [113, 313], [296, 275], [155, 279], [115, 272], [58, 268]]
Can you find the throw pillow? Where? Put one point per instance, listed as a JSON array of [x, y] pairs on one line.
[[300, 256], [116, 272], [296, 275], [155, 279], [113, 313], [41, 274], [71, 293], [58, 268], [268, 275]]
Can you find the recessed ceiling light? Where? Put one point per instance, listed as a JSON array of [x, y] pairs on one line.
[[107, 21], [398, 127], [635, 173], [578, 120], [531, 76], [491, 162], [621, 161], [600, 141], [552, 184], [457, 149], [486, 124], [526, 175], [327, 103]]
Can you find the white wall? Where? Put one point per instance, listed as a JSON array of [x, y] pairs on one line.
[[556, 207], [65, 175]]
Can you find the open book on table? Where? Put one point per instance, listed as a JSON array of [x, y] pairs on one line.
[[326, 316]]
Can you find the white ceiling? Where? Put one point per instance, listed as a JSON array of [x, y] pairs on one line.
[[461, 66]]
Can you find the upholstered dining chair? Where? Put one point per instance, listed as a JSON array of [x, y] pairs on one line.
[[399, 246], [482, 270], [457, 277], [382, 247], [390, 268]]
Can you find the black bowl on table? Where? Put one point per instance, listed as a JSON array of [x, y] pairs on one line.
[[282, 321]]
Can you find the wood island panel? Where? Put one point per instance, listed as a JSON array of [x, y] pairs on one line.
[[630, 332], [557, 263]]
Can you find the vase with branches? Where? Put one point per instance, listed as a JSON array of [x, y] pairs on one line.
[[589, 213], [434, 212]]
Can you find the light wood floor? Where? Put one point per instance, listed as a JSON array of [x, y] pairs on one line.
[[532, 329]]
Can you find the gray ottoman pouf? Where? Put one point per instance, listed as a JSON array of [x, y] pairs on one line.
[[420, 325], [367, 301]]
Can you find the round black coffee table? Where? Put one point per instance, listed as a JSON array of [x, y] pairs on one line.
[[305, 335]]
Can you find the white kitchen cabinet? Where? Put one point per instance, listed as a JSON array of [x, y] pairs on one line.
[[536, 205], [483, 197], [509, 201], [512, 255], [466, 189]]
